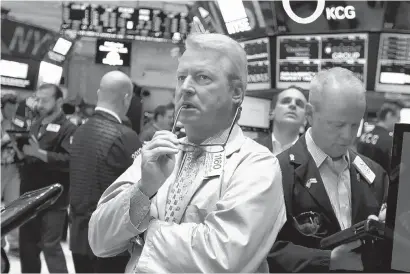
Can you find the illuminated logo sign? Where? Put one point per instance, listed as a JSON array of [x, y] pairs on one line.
[[332, 13], [113, 53]]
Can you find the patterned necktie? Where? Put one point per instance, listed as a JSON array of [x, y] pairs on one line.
[[181, 186]]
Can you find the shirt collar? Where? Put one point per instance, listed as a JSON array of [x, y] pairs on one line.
[[109, 112], [317, 153], [275, 141]]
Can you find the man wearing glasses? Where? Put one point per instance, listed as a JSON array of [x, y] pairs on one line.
[[327, 186], [197, 204]]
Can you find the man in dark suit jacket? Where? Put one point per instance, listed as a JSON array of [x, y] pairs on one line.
[[288, 116], [101, 151], [327, 186]]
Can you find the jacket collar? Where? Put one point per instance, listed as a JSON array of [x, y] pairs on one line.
[[110, 112], [106, 115]]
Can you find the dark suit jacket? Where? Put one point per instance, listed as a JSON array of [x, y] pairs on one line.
[[101, 151], [54, 138], [294, 252], [266, 141]]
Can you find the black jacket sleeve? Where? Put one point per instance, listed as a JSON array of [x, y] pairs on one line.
[[61, 156], [120, 154]]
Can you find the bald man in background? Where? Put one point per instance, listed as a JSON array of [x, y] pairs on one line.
[[101, 151]]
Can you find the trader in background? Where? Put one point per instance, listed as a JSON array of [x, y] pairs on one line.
[[377, 143], [204, 203], [101, 151], [163, 120], [288, 116], [327, 186], [10, 177], [46, 162]]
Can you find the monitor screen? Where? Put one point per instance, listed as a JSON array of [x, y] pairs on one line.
[[49, 73], [259, 69], [255, 114], [393, 63], [113, 53], [247, 19], [398, 205], [397, 15], [405, 116], [300, 57], [18, 72], [62, 46]]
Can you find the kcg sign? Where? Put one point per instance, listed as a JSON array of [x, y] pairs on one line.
[[332, 13]]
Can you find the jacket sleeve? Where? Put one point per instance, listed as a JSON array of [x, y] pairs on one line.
[[122, 213], [288, 257], [236, 237], [62, 157]]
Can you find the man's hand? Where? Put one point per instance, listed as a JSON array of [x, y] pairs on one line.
[[344, 258], [32, 149], [194, 215], [157, 161]]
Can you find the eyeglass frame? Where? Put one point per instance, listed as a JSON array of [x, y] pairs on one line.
[[238, 109], [316, 234]]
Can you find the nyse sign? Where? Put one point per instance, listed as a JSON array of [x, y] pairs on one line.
[[25, 40]]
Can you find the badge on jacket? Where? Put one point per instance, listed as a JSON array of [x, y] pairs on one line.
[[310, 182], [53, 127], [364, 170]]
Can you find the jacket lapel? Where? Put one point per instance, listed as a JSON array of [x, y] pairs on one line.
[[307, 170]]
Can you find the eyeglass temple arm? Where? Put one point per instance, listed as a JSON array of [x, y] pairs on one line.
[[176, 120]]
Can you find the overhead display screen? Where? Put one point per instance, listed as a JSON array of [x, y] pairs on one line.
[[113, 53], [393, 63], [124, 22], [257, 54], [300, 57], [18, 72]]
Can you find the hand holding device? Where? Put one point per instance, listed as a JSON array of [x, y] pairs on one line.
[[344, 257]]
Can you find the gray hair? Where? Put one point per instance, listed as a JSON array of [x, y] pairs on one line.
[[228, 48], [328, 80]]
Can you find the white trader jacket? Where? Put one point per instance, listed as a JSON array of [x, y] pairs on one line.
[[243, 211]]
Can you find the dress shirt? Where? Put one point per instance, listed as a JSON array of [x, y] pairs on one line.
[[106, 110], [336, 179], [278, 148]]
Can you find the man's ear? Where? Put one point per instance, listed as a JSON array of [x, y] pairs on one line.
[[309, 113], [238, 92]]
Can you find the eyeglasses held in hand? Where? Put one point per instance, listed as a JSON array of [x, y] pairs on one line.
[[210, 148], [309, 224]]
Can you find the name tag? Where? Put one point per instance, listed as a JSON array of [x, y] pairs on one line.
[[53, 127], [214, 164], [364, 170], [18, 122]]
